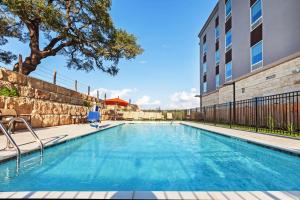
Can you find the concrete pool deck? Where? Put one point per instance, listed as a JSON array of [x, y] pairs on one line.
[[277, 142], [236, 195], [54, 135], [50, 136]]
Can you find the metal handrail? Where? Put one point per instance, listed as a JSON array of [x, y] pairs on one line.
[[19, 119], [10, 139]]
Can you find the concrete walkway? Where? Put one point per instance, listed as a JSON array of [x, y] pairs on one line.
[[286, 144], [235, 195], [49, 136]]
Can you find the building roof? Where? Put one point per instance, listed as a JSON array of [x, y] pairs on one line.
[[212, 14]]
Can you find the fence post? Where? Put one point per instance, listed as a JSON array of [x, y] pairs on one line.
[[54, 77], [20, 64], [256, 114], [215, 112], [89, 89], [230, 121], [76, 85]]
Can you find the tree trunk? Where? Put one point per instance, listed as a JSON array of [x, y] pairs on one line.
[[27, 66], [31, 62]]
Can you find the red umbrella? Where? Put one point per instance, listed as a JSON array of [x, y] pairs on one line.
[[116, 101]]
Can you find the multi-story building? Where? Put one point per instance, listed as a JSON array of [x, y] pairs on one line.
[[242, 37]]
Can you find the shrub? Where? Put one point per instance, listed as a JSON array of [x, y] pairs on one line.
[[9, 92], [86, 104]]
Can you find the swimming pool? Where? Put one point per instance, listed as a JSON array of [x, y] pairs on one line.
[[154, 157]]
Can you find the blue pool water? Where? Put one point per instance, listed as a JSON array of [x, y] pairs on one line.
[[154, 157]]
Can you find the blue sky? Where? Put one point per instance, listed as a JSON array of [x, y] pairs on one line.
[[166, 75]]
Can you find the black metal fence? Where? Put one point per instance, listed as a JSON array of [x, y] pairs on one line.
[[278, 114]]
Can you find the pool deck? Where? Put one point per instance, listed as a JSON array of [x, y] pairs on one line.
[[55, 135], [273, 141], [50, 136], [236, 195]]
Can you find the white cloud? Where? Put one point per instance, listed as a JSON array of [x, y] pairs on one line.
[[146, 102], [184, 99], [122, 93]]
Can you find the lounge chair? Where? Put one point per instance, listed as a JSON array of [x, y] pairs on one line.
[[169, 116], [94, 118]]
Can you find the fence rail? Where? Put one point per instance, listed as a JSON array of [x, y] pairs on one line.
[[278, 114]]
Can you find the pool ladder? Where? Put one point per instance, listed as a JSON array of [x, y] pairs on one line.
[[11, 143]]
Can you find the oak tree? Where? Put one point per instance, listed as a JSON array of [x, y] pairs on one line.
[[81, 30]]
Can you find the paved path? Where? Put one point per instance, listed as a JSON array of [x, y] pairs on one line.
[[49, 136], [235, 195], [287, 144]]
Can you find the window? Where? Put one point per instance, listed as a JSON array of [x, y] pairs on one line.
[[217, 32], [217, 56], [217, 80], [205, 87], [228, 38], [217, 77], [256, 53], [217, 29], [256, 12], [228, 72], [228, 8], [204, 67], [204, 48]]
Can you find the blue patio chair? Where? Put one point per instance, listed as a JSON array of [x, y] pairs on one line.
[[94, 118]]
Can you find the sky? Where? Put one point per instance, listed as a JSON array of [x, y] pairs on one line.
[[165, 76]]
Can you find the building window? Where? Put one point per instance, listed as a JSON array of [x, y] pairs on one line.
[[204, 86], [217, 32], [217, 56], [217, 80], [228, 8], [228, 38], [204, 67], [256, 12], [256, 53], [204, 48], [217, 77], [228, 72], [217, 29]]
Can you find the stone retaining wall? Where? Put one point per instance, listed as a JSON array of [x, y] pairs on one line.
[[281, 78], [48, 104]]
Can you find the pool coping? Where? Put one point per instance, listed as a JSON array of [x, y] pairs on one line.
[[207, 195], [262, 143], [55, 143]]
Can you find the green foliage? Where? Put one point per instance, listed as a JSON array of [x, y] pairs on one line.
[[86, 104], [291, 127], [271, 123], [83, 31], [9, 92]]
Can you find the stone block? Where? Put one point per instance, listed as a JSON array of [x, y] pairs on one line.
[[57, 109], [36, 121], [42, 94], [26, 91], [62, 90], [49, 87], [35, 83], [2, 102], [64, 119], [22, 105], [75, 94], [16, 78], [50, 120]]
